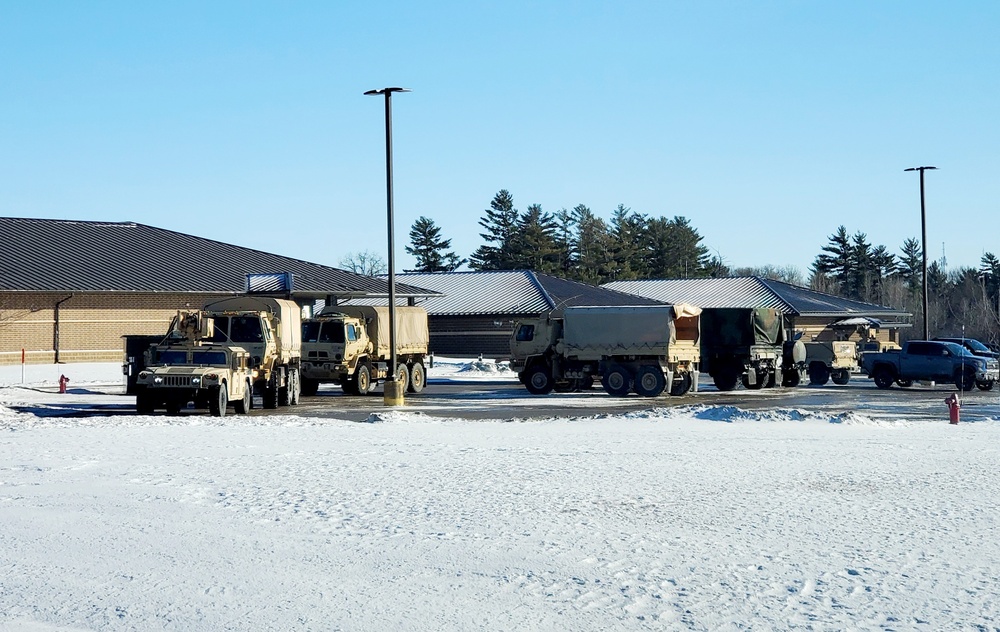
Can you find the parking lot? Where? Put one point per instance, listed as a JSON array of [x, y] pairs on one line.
[[507, 399]]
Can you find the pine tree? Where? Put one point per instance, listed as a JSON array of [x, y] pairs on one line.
[[432, 252], [534, 247], [911, 265], [836, 263], [500, 223]]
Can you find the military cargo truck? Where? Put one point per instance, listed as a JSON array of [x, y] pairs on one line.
[[187, 367], [749, 345], [349, 345], [270, 329], [834, 358], [647, 348]]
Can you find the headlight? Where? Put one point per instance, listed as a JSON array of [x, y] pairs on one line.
[[143, 375], [157, 380], [196, 380]]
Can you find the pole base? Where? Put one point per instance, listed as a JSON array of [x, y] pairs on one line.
[[393, 393]]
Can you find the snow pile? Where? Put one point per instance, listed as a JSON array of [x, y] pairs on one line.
[[733, 414]]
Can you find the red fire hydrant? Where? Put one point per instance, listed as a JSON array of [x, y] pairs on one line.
[[954, 408], [63, 380]]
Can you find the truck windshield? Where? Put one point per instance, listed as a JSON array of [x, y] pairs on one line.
[[332, 332], [310, 332], [173, 357], [975, 345], [211, 358], [245, 329]]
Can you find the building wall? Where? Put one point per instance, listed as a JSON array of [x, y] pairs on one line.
[[467, 336], [90, 326]]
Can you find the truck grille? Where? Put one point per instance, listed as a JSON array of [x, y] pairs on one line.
[[177, 380]]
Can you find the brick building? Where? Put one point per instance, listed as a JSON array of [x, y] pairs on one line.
[[70, 290]]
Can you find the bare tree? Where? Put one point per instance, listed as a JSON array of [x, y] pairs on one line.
[[366, 262]]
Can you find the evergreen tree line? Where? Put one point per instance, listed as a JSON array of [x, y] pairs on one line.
[[576, 244]]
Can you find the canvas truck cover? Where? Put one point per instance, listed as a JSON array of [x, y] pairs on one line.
[[289, 315], [736, 327], [621, 330], [411, 327]]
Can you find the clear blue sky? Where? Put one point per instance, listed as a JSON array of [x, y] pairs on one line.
[[767, 124]]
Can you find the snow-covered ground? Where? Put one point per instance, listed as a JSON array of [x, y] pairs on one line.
[[700, 517]]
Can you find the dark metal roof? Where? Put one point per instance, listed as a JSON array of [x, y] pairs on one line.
[[752, 292], [742, 292], [44, 255], [812, 303], [515, 292]]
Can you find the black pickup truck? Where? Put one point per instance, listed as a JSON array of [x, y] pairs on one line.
[[930, 360]]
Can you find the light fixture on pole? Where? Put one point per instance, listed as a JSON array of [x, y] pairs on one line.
[[393, 388], [923, 244]]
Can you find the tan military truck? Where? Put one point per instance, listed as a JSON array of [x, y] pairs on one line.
[[187, 367], [646, 348], [349, 345], [835, 359], [271, 330]]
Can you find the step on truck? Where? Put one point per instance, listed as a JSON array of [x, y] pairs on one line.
[[187, 366], [647, 349], [749, 345], [349, 345], [929, 361], [270, 329]]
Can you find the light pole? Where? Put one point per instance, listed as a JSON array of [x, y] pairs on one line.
[[393, 388], [923, 243]]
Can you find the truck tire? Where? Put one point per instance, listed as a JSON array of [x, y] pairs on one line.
[[362, 380], [965, 379], [650, 381], [586, 382], [174, 406], [791, 378], [681, 384], [288, 395], [819, 374], [904, 383], [418, 378], [883, 377], [403, 376], [772, 379], [841, 377], [985, 385], [617, 381], [269, 393], [726, 379], [218, 401], [309, 387], [539, 381], [244, 405]]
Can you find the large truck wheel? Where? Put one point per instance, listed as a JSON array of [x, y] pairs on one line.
[[362, 380], [726, 379], [269, 393], [288, 395], [819, 374], [539, 381], [218, 401], [883, 377], [650, 381], [841, 377], [418, 378], [244, 405], [402, 376], [791, 378], [985, 385], [617, 381], [681, 384], [309, 386]]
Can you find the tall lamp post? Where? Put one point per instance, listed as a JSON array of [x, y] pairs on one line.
[[923, 243], [393, 388]]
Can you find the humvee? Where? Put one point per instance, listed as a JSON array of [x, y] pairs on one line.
[[185, 367]]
